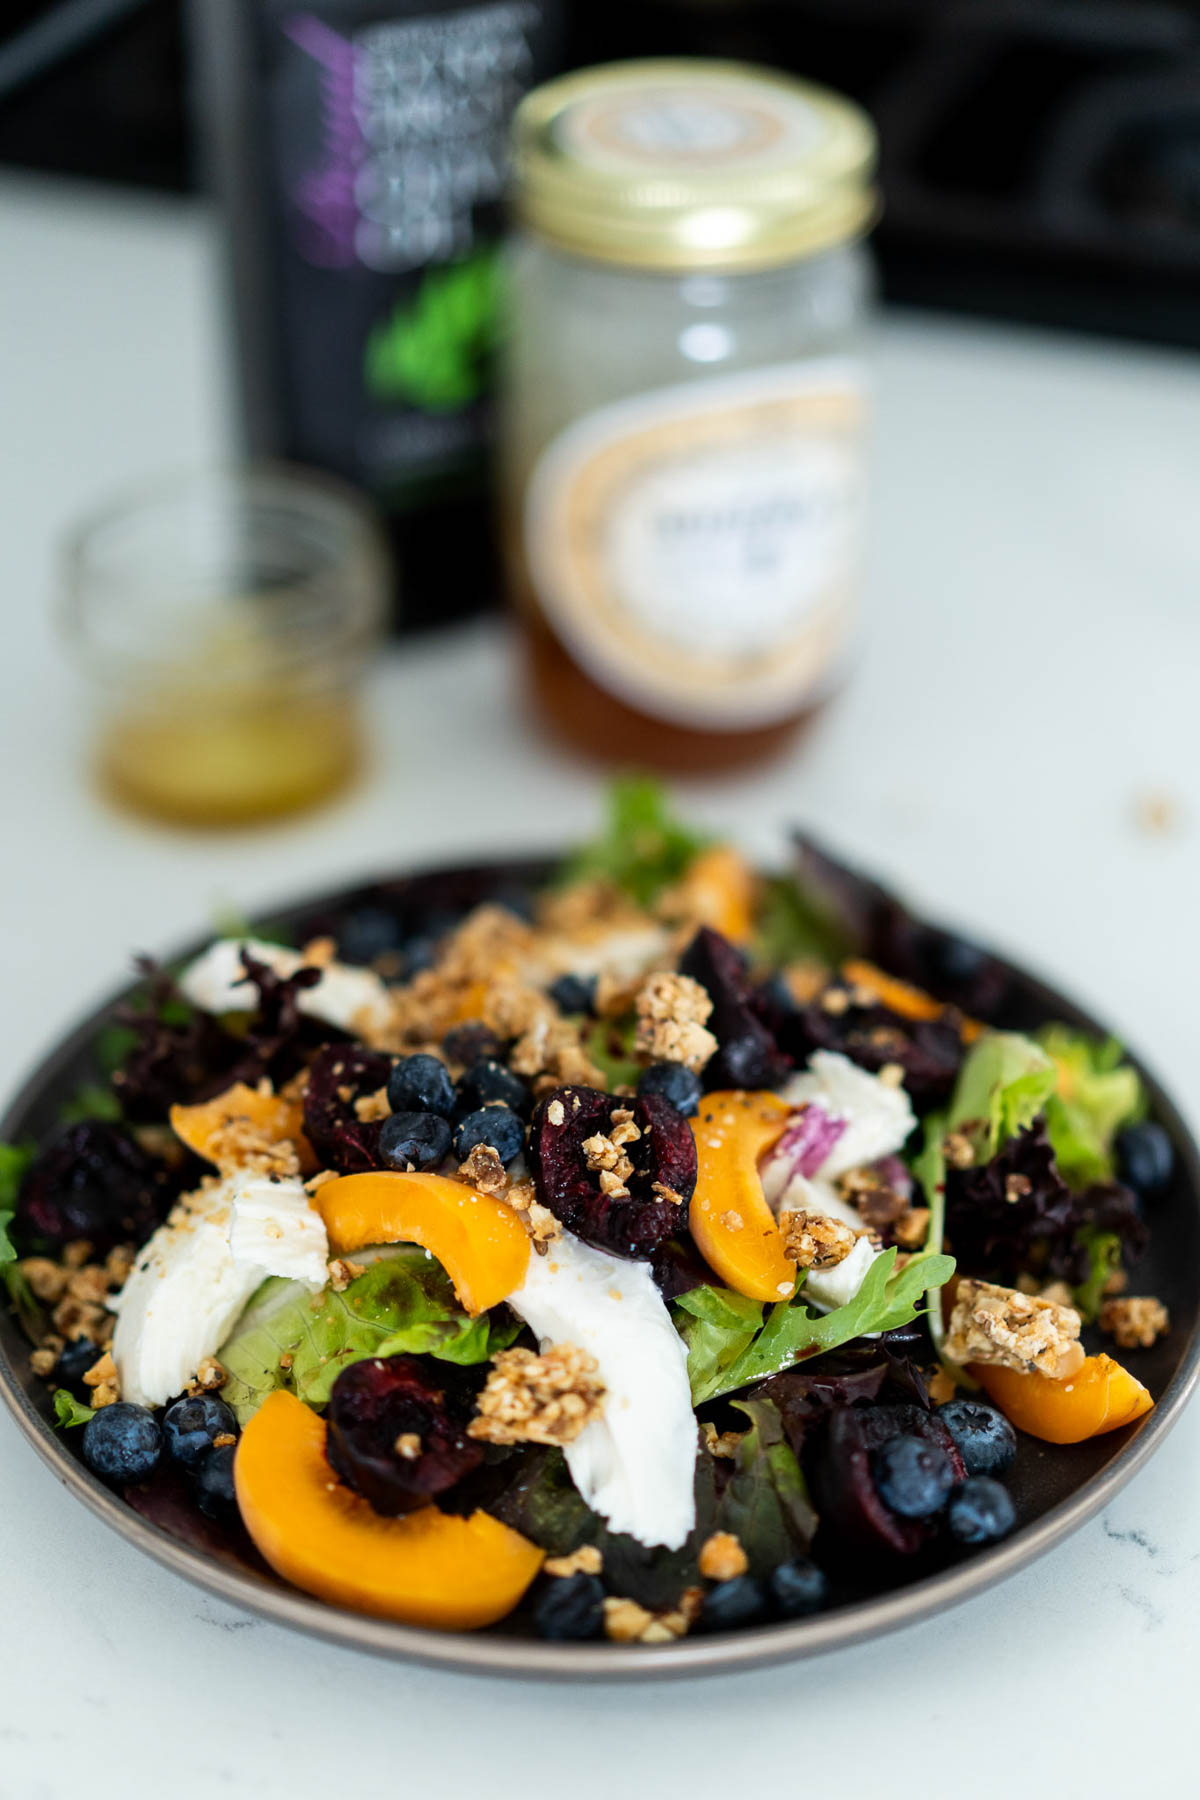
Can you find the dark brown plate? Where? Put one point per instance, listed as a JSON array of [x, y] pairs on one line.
[[1055, 1489]]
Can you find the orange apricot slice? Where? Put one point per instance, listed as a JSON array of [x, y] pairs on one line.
[[719, 888], [274, 1116], [479, 1241], [733, 1227], [901, 996], [426, 1568], [1101, 1396]]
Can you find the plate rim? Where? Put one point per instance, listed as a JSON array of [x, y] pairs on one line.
[[520, 1658]]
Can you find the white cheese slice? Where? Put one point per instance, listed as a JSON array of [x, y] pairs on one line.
[[346, 997], [834, 1287], [194, 1277], [622, 951], [635, 1465], [878, 1118]]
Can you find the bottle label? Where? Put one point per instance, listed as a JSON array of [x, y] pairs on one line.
[[695, 548]]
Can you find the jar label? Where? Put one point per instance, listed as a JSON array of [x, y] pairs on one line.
[[695, 548]]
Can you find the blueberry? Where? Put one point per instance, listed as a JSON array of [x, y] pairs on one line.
[[419, 953], [574, 993], [122, 1443], [797, 1588], [742, 1601], [74, 1360], [986, 1441], [1145, 1158], [498, 1126], [981, 1511], [421, 1084], [213, 1480], [414, 1140], [913, 1476], [570, 1606], [471, 1042], [673, 1083], [488, 1083], [189, 1427], [366, 933]]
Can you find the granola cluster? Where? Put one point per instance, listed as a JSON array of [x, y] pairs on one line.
[[627, 1622], [546, 1399], [672, 1011], [722, 1557], [605, 1155], [815, 1241], [1135, 1321], [74, 1293], [999, 1325]]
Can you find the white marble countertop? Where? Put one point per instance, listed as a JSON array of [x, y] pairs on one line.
[[1027, 685]]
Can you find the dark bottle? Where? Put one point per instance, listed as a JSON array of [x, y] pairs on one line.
[[360, 153]]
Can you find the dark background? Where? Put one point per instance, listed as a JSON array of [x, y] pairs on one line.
[[1041, 158]]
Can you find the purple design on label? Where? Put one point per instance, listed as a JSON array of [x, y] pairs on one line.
[[808, 1141], [325, 197]]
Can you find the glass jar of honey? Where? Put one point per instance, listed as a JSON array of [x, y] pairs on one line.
[[684, 404], [224, 619]]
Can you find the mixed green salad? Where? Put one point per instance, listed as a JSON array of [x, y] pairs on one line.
[[659, 1247]]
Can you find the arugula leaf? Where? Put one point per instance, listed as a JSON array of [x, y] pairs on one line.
[[404, 1303], [722, 1359], [69, 1411], [793, 926], [90, 1100], [1096, 1093], [14, 1160], [766, 1503], [609, 1043], [643, 848], [1004, 1083], [1104, 1259]]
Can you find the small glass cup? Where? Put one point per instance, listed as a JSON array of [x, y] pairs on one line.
[[225, 618]]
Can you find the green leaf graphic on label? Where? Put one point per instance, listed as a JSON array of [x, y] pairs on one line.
[[434, 351]]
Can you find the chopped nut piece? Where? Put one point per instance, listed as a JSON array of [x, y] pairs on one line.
[[941, 1386], [319, 952], [46, 1279], [107, 1394], [555, 1113], [587, 1560], [1058, 1293], [1136, 1321], [118, 1264], [835, 1001], [721, 1443], [318, 1180], [103, 1370], [732, 1221], [722, 1557], [610, 1162], [878, 1203], [408, 1445], [208, 1378], [80, 1318], [666, 1193], [912, 1227], [804, 979], [958, 1149], [672, 1010], [342, 1272], [286, 1360], [223, 1440], [892, 1075], [1117, 1282], [815, 1241], [1002, 1326], [1016, 1187], [625, 1622], [624, 1129], [42, 1361], [546, 1399], [89, 1283], [484, 1170], [370, 1107], [76, 1254]]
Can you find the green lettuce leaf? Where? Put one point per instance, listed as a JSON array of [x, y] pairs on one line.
[[729, 1344], [69, 1411], [643, 848], [91, 1100], [404, 1303], [1096, 1093], [1104, 1259], [1004, 1083], [766, 1503], [14, 1160], [929, 1169], [793, 926]]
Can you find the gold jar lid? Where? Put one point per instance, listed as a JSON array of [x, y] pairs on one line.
[[692, 164]]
